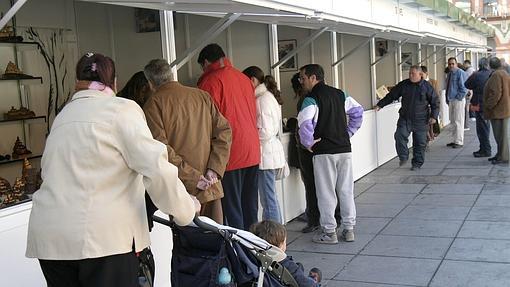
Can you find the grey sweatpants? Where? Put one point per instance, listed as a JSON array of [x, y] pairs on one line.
[[334, 182]]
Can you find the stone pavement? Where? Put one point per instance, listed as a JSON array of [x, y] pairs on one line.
[[445, 225]]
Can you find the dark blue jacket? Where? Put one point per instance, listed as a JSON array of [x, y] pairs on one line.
[[419, 101], [476, 82], [298, 273]]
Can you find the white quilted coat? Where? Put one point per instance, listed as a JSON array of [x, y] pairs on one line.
[[269, 117]]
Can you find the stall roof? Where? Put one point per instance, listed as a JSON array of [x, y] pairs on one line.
[[272, 12]]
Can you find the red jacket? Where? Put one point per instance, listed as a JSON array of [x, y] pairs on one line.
[[233, 94]]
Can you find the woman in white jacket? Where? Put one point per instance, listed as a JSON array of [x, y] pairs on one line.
[[269, 118], [88, 219]]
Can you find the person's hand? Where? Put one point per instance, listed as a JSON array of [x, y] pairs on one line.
[[377, 108], [197, 204], [203, 183], [211, 176], [432, 121], [314, 142]]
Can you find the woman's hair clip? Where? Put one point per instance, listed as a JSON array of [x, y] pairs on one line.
[[89, 54], [93, 68]]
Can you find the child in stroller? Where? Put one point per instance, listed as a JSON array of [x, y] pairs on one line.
[[276, 235], [211, 255]]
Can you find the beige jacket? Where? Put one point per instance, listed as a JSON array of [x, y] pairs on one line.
[[195, 133], [98, 160]]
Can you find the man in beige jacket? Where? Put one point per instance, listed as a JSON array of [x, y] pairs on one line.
[[197, 136], [496, 107]]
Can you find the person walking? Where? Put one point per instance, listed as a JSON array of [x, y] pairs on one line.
[[233, 94], [420, 108], [496, 108], [476, 82], [269, 118], [456, 97], [88, 219], [195, 133], [327, 120]]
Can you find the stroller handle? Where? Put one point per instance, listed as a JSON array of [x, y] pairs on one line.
[[201, 224]]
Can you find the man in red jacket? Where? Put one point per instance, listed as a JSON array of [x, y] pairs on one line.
[[233, 94]]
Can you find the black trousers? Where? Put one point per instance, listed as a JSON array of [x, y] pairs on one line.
[[404, 129], [312, 208], [108, 271], [483, 132], [241, 201]]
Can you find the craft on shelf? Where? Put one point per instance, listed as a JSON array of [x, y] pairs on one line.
[[31, 177], [19, 150], [5, 157], [16, 114], [13, 72]]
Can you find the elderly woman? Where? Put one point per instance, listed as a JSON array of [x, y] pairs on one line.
[[88, 219]]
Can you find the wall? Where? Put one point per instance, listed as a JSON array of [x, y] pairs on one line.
[[385, 69], [357, 71]]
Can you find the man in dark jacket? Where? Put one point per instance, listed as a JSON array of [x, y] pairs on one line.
[[420, 107], [476, 82]]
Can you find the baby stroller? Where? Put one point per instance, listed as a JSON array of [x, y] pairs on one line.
[[203, 253]]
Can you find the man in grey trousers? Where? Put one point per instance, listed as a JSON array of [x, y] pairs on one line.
[[327, 135]]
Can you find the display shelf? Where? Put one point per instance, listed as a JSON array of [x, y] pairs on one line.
[[2, 120], [24, 80], [20, 46], [32, 156]]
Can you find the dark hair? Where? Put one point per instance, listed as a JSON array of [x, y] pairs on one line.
[[446, 70], [494, 63], [424, 69], [269, 82], [296, 85], [467, 62], [483, 63], [452, 58], [212, 53], [313, 69], [272, 232], [136, 89], [96, 67]]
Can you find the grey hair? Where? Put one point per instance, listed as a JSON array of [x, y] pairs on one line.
[[158, 72], [494, 63], [483, 63], [415, 67]]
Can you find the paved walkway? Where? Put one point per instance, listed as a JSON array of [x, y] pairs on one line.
[[446, 225]]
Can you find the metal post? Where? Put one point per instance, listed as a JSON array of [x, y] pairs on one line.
[[366, 42], [168, 38], [187, 39], [433, 53], [334, 58], [398, 65], [210, 34], [434, 66], [419, 52], [273, 52], [305, 43], [373, 74], [230, 53], [312, 50], [342, 71]]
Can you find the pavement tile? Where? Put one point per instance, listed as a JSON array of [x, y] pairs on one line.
[[422, 227], [485, 230], [370, 225], [385, 198], [396, 188], [480, 250], [335, 283], [329, 264], [471, 274], [408, 246], [434, 212], [495, 189], [493, 200], [390, 270], [465, 171], [490, 213], [377, 210], [304, 243], [430, 179], [445, 199], [453, 188]]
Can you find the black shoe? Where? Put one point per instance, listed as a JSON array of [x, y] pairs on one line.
[[481, 154], [309, 228], [402, 162], [302, 218], [492, 158], [451, 144], [457, 146], [499, 161], [415, 167]]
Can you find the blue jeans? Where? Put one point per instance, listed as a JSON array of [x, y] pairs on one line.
[[268, 197], [404, 129]]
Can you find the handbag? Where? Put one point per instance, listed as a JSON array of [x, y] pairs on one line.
[[282, 172]]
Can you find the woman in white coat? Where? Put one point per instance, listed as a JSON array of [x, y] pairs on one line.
[[269, 118]]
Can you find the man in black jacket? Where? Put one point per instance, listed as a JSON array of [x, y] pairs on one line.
[[476, 82], [420, 107]]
